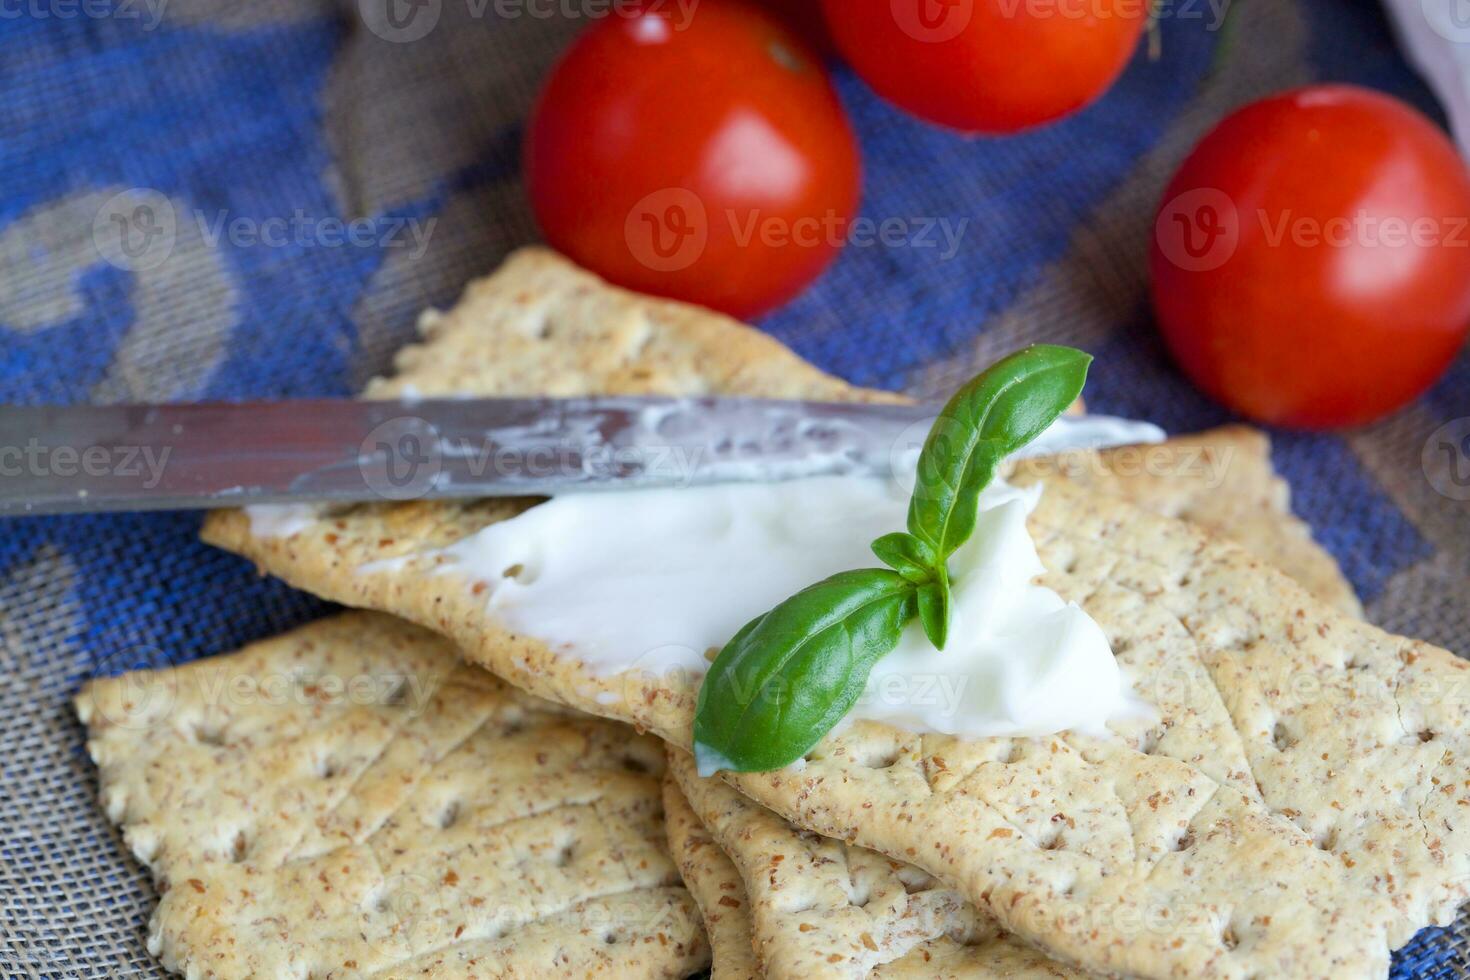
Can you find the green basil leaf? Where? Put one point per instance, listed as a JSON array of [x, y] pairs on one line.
[[996, 413], [791, 674], [907, 555], [934, 603]]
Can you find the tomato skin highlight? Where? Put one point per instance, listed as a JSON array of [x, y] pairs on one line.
[[705, 158], [987, 66], [1310, 263]]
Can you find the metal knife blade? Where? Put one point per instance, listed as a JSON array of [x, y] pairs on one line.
[[70, 459], [153, 457]]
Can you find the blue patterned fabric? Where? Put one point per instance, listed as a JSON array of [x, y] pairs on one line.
[[265, 110]]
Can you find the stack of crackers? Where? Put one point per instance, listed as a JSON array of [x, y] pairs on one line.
[[416, 791]]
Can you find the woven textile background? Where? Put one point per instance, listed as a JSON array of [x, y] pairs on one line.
[[309, 112]]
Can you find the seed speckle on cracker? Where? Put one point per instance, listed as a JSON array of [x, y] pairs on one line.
[[815, 907], [350, 800]]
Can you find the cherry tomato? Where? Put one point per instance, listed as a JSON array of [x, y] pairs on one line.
[[1311, 258], [805, 18], [701, 155], [987, 66]]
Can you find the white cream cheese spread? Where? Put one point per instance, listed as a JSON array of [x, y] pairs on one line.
[[656, 580], [282, 520]]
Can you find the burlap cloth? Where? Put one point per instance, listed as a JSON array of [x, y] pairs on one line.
[[311, 113]]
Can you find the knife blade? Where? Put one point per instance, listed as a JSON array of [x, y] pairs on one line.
[[63, 459], [68, 459]]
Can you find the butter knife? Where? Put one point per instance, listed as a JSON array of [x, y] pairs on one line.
[[68, 459]]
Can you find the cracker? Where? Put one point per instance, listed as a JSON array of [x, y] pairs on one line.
[[350, 800], [819, 908], [1293, 811], [715, 885], [1220, 480], [1267, 699]]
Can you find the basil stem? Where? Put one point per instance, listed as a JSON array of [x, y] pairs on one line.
[[790, 675], [916, 561]]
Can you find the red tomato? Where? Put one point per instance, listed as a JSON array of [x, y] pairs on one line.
[[1311, 258], [805, 18], [702, 157], [987, 66]]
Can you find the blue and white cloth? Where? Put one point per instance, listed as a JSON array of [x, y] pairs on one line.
[[225, 199]]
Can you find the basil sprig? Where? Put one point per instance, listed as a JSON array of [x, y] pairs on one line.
[[792, 673]]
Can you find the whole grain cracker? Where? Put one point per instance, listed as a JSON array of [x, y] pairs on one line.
[[715, 885], [1193, 814], [1351, 734], [350, 800], [1220, 480], [815, 907]]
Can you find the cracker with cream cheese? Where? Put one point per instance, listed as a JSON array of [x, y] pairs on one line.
[[813, 907], [351, 800], [1291, 811]]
